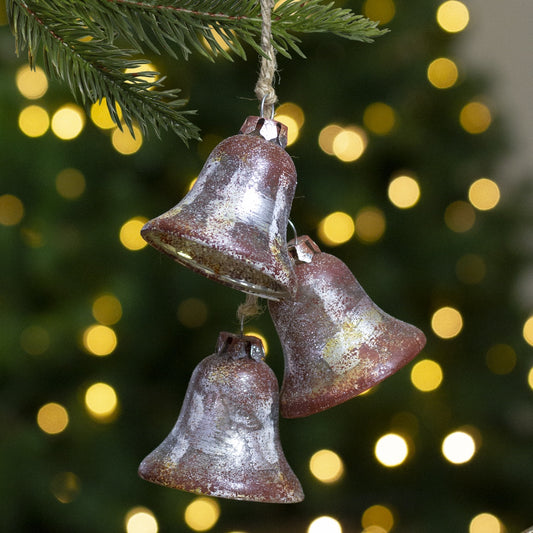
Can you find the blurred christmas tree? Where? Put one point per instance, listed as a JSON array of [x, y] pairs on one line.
[[394, 147]]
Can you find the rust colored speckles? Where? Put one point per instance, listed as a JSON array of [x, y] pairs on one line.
[[225, 442], [336, 341]]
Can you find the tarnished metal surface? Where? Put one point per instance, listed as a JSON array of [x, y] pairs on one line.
[[231, 226], [336, 341], [226, 440]]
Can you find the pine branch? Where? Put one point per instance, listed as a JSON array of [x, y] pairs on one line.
[[78, 43]]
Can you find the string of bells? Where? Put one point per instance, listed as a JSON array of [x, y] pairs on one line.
[[231, 227]]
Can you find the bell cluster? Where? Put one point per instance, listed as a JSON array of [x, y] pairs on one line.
[[231, 227]]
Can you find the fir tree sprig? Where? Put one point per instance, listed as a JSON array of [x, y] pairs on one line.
[[78, 41]]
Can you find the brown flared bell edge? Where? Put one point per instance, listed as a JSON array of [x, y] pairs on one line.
[[336, 341], [226, 440], [231, 226]]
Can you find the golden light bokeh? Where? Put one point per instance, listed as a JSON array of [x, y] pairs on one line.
[[459, 216], [192, 312], [326, 466], [426, 375], [70, 183], [99, 340], [484, 194], [34, 340], [327, 136], [52, 418], [442, 73], [149, 70], [101, 401], [447, 322], [379, 118], [107, 309], [68, 122], [458, 447], [324, 524], [470, 268], [65, 487], [293, 131], [140, 520], [379, 10], [530, 378], [293, 117], [475, 118], [202, 514], [349, 144], [130, 233], [101, 116], [34, 121], [11, 210], [31, 83], [486, 523], [527, 330], [404, 192], [370, 224], [453, 16], [378, 515], [124, 143], [391, 450], [501, 359], [336, 228]]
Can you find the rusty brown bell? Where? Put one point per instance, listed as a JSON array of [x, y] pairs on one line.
[[225, 442], [336, 341], [231, 226]]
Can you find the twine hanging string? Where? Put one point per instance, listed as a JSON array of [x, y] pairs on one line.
[[264, 88], [248, 309]]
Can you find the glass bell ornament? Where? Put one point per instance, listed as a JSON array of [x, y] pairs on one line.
[[336, 341], [225, 442], [231, 226]]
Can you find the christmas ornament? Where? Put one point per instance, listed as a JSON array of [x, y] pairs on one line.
[[226, 440], [231, 226], [336, 341]]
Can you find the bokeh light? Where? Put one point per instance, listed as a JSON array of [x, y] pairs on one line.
[[391, 450], [336, 228], [349, 144], [530, 378], [501, 359], [458, 447], [379, 10], [324, 524], [453, 16], [527, 330], [378, 515], [147, 72], [130, 233], [101, 116], [52, 418], [426, 375], [442, 73], [370, 224], [68, 122], [34, 340], [484, 194], [70, 183], [31, 83], [459, 216], [293, 117], [202, 514], [447, 322], [65, 486], [404, 192], [34, 121], [379, 118], [123, 141], [327, 136], [11, 210], [486, 523], [99, 340], [475, 118], [140, 520], [192, 312], [470, 268], [107, 309], [101, 402], [326, 466]]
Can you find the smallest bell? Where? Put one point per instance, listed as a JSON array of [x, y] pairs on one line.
[[226, 440]]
